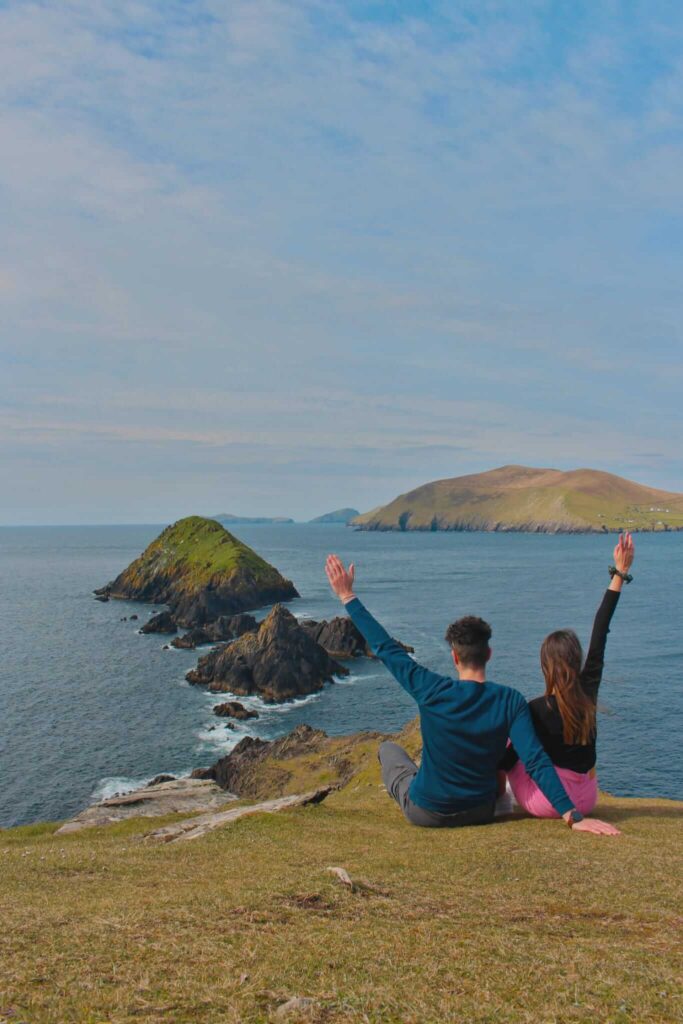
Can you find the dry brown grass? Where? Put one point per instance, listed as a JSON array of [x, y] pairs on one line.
[[522, 921]]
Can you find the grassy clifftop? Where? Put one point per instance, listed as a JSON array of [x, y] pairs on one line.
[[522, 921], [526, 499]]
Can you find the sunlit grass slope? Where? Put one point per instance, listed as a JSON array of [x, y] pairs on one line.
[[195, 553], [522, 921], [527, 499]]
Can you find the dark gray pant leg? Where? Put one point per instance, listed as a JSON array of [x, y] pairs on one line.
[[398, 771]]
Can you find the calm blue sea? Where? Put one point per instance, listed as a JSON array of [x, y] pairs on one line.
[[89, 707]]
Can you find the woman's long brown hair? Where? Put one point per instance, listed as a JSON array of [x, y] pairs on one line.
[[561, 659]]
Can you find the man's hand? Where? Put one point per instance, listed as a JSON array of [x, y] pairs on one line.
[[597, 827], [341, 579], [624, 552]]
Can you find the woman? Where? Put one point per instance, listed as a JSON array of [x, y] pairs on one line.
[[564, 717]]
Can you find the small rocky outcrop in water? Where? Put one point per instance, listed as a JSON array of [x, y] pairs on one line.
[[279, 661], [188, 641], [163, 622], [202, 573], [233, 709], [341, 638], [225, 628]]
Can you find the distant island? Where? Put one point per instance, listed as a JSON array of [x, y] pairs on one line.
[[226, 519], [524, 499], [340, 515]]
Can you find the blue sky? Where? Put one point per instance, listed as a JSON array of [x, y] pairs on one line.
[[274, 257]]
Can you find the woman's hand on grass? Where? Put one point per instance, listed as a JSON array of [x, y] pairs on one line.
[[597, 827], [341, 579]]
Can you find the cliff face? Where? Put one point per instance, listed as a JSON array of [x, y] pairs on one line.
[[524, 499], [202, 572]]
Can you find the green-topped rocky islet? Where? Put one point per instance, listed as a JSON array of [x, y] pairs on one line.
[[202, 572]]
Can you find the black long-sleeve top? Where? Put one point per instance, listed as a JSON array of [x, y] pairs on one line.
[[544, 711]]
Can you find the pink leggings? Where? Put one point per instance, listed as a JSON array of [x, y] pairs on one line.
[[582, 790]]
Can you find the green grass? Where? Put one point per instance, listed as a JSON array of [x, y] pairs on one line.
[[521, 921], [196, 552]]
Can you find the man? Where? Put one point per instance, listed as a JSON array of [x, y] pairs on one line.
[[465, 724]]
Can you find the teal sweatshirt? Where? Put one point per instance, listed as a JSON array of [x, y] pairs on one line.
[[465, 727]]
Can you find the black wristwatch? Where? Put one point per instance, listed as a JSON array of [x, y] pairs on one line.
[[626, 576], [574, 817]]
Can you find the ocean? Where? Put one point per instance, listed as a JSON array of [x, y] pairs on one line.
[[89, 707]]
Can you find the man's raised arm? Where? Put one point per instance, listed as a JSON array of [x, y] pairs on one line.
[[417, 680]]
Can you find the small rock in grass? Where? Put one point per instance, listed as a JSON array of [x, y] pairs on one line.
[[295, 1005]]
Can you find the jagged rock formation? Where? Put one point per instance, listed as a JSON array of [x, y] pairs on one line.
[[201, 572], [340, 637], [278, 662], [225, 628], [193, 638], [520, 498]]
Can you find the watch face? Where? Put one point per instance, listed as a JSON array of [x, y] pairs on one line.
[[576, 816]]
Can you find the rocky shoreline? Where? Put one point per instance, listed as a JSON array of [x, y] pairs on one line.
[[502, 527], [255, 768], [197, 569]]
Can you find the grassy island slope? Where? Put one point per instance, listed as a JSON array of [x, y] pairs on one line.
[[195, 557], [517, 923], [521, 498]]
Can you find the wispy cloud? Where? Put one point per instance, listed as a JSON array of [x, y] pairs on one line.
[[326, 235]]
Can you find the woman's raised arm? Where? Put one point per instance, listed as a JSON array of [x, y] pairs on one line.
[[591, 673]]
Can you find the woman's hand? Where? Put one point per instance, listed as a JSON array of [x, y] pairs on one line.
[[597, 827], [624, 552], [341, 579], [623, 559]]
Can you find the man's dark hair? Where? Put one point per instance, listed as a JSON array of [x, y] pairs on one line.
[[469, 637]]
